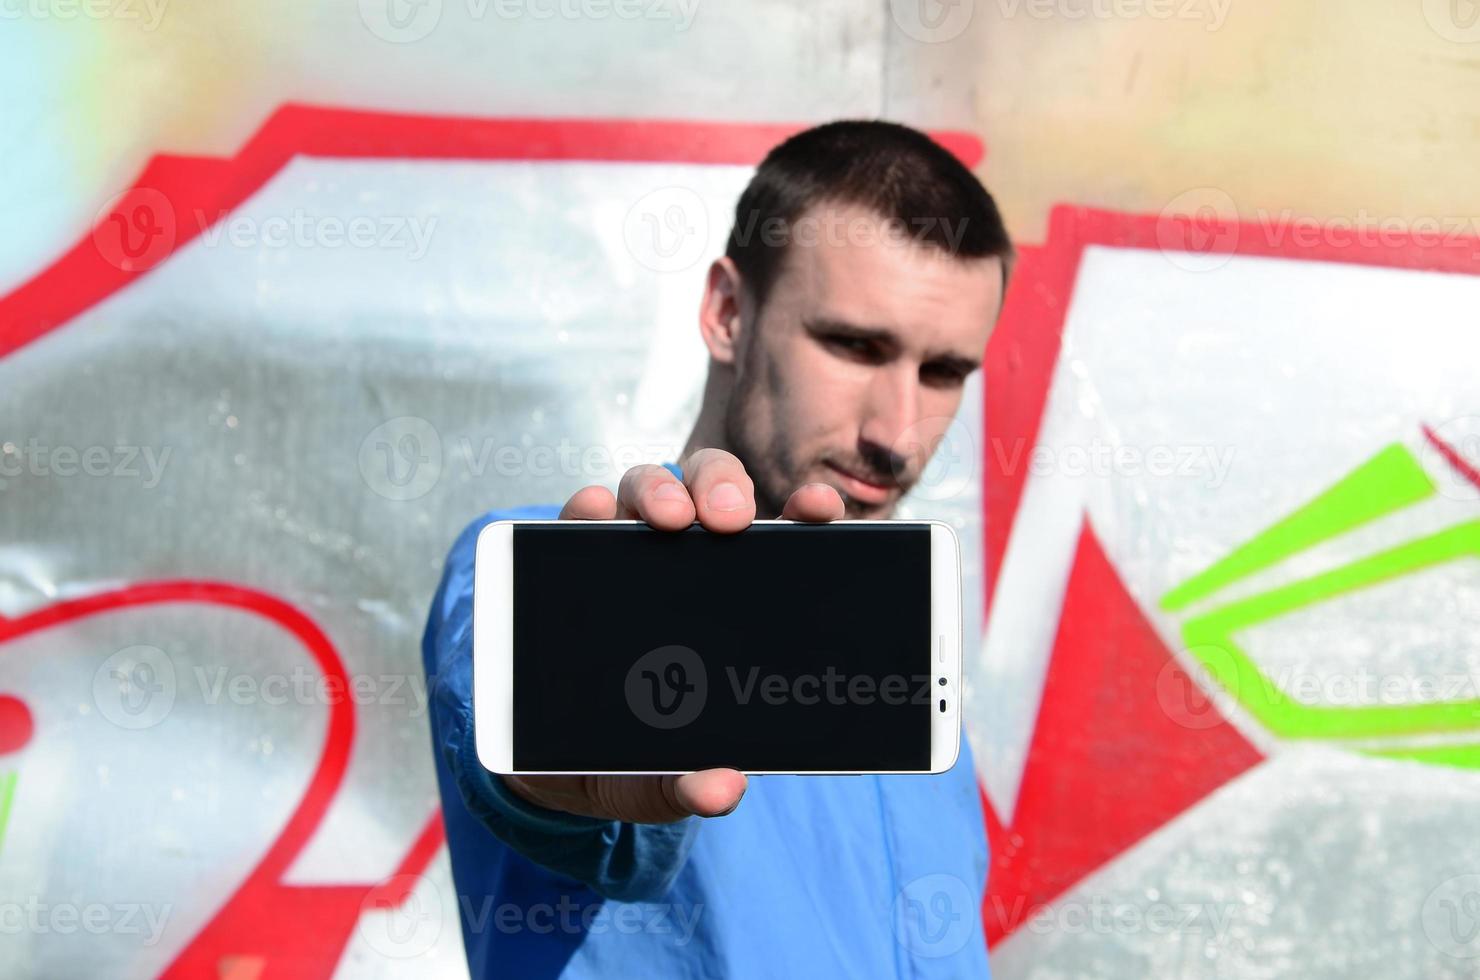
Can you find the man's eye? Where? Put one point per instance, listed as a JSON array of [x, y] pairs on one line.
[[852, 346], [942, 377]]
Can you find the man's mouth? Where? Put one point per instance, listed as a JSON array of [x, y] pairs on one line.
[[862, 489]]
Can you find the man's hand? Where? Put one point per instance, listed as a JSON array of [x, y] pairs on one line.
[[718, 494]]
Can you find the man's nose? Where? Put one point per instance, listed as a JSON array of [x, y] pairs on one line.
[[892, 409]]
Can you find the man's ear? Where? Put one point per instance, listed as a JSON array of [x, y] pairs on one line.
[[720, 311]]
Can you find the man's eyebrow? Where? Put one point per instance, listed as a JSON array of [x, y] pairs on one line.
[[825, 325], [950, 360], [956, 363]]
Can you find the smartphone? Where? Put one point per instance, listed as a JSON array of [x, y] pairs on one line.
[[612, 647]]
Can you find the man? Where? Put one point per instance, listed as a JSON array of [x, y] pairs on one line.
[[861, 280]]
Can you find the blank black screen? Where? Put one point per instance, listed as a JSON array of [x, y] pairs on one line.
[[783, 647]]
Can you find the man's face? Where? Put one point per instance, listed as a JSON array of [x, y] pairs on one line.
[[854, 366]]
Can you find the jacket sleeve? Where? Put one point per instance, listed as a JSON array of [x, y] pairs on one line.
[[618, 860]]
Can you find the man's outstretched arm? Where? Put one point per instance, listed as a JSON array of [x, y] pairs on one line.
[[618, 860], [625, 836]]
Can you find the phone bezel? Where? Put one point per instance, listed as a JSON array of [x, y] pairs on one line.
[[493, 662]]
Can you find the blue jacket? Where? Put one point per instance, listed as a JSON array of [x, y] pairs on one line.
[[813, 876]]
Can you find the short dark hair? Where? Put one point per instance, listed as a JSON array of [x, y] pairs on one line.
[[898, 173]]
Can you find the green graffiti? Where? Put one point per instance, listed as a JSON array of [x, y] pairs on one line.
[[1390, 480], [1210, 638], [7, 795]]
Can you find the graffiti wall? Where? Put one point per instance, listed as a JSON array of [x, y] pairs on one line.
[[267, 345], [1230, 493], [290, 293]]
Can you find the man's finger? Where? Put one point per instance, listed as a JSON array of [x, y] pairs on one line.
[[652, 494], [709, 793], [593, 503], [814, 502], [646, 799], [723, 494]]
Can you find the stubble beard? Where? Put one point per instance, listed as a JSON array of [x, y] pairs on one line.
[[768, 466]]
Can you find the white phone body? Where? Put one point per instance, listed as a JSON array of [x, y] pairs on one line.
[[493, 651]]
